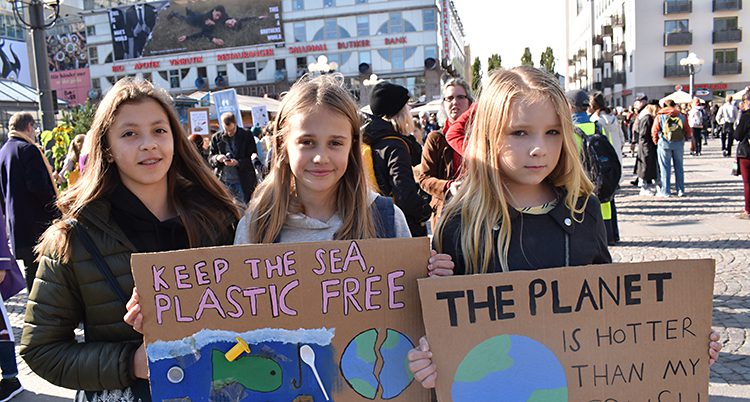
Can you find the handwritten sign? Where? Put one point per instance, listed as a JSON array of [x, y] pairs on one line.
[[260, 116], [620, 332], [198, 121], [293, 322]]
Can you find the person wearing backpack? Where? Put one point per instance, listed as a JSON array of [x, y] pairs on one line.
[[669, 132], [394, 154], [599, 158], [696, 117]]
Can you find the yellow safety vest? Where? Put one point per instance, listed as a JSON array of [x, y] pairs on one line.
[[589, 129]]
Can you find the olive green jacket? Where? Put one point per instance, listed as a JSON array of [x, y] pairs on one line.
[[64, 295]]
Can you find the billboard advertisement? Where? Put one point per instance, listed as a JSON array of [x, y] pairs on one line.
[[15, 61], [67, 51], [176, 26], [71, 85]]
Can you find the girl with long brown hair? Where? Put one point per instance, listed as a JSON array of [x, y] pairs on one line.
[[145, 189]]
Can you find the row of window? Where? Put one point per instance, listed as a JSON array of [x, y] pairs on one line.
[[721, 56], [683, 25], [395, 56], [395, 24], [10, 28], [298, 5]]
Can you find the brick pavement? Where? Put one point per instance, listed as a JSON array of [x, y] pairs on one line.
[[701, 225]]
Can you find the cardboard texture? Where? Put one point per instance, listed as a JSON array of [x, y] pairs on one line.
[[619, 332], [321, 321]]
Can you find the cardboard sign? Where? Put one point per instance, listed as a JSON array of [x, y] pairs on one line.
[[283, 322], [620, 332], [260, 115], [226, 101], [198, 121]]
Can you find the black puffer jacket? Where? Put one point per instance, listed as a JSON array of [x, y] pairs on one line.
[[542, 241], [64, 295], [742, 135], [392, 163]]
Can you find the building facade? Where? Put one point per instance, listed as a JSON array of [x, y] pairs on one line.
[[628, 47], [415, 43]]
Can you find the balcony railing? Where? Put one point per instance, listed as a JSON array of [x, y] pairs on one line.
[[582, 72], [730, 35], [619, 77], [598, 63], [676, 71], [608, 82], [728, 68], [618, 20], [598, 40], [678, 38], [677, 6], [607, 30], [619, 48], [597, 86], [607, 56], [724, 5]]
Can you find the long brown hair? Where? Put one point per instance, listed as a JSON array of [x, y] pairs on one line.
[[481, 201], [204, 206], [274, 198]]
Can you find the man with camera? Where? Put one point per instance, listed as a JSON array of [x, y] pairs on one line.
[[230, 155]]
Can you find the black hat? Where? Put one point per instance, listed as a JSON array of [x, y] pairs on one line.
[[578, 97], [387, 99]]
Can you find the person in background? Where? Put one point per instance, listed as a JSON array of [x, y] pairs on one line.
[[727, 117], [71, 165], [742, 135], [695, 120], [671, 150], [11, 282], [28, 189], [230, 154], [202, 144]]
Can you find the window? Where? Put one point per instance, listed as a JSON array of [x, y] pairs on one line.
[[299, 32], [429, 20], [221, 70], [397, 58], [301, 66], [329, 3], [395, 23], [363, 25], [676, 26], [365, 57], [298, 4], [251, 71], [725, 24], [148, 77], [174, 78], [330, 29], [725, 56], [673, 58], [430, 51], [91, 30], [202, 72], [280, 65], [96, 83], [93, 55]]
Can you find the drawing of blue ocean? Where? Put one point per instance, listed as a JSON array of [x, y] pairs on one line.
[[264, 365]]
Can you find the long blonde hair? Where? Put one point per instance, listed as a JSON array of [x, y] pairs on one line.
[[204, 206], [402, 121], [481, 201], [274, 198]]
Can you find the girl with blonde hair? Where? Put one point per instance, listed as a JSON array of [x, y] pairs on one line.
[[145, 190], [525, 202]]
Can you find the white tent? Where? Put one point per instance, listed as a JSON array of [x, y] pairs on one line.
[[429, 107], [678, 97], [738, 95]]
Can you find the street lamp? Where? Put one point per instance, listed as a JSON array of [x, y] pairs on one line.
[[691, 62], [322, 66], [37, 23]]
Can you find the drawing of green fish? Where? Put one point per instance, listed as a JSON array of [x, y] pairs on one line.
[[256, 373]]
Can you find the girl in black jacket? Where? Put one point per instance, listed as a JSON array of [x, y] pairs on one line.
[[742, 135], [525, 202]]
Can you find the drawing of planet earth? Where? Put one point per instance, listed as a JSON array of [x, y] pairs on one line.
[[514, 366], [359, 359]]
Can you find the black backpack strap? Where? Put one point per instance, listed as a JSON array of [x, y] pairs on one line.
[[385, 222], [101, 264]]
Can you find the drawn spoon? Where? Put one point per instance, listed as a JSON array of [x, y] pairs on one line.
[[308, 356]]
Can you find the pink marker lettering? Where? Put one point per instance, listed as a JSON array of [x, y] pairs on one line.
[[328, 294], [178, 312], [163, 303], [237, 313], [333, 259], [354, 255], [252, 294], [159, 282], [180, 276], [221, 266], [271, 267], [319, 255], [212, 304], [282, 298], [288, 262], [370, 292], [393, 288], [201, 276], [349, 293], [253, 262]]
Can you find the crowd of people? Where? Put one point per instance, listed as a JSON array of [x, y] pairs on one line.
[[500, 186]]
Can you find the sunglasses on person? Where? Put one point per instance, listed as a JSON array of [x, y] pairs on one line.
[[457, 97]]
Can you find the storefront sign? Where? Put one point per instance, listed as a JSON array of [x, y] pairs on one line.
[[353, 44], [396, 41], [316, 47], [118, 69], [247, 54], [444, 17], [184, 61], [71, 85], [147, 65]]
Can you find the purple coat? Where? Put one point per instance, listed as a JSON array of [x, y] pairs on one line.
[[14, 281]]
